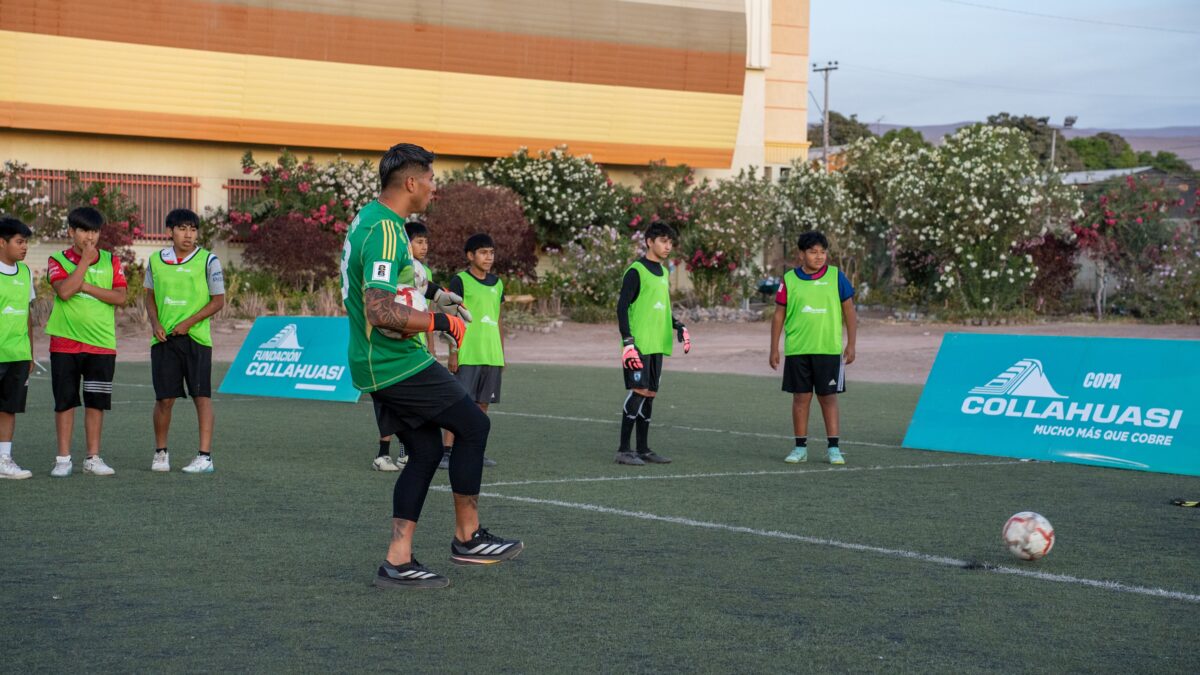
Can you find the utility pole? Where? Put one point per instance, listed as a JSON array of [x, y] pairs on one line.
[[1067, 124], [824, 70]]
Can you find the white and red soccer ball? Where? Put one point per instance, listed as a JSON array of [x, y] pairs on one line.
[[1028, 535]]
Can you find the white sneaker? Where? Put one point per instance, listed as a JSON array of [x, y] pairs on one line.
[[9, 469], [97, 467], [162, 461], [384, 463], [62, 469], [201, 464]]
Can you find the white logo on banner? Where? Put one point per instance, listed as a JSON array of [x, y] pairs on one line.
[[1025, 378], [284, 339]]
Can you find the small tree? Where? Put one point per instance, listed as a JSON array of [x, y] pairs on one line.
[[29, 200], [462, 209], [297, 250]]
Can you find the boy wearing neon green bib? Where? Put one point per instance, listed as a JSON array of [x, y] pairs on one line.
[[88, 287], [16, 356], [813, 302], [479, 362], [646, 322], [184, 287]]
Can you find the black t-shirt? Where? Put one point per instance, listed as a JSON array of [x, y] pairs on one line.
[[456, 283], [631, 285]]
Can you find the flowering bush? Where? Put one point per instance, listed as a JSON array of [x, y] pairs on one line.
[[589, 268], [966, 206], [1054, 257], [812, 198], [462, 209], [121, 220], [667, 194], [29, 201], [562, 194], [296, 249], [1124, 231], [733, 218]]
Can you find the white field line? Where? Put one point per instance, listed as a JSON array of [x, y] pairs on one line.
[[679, 476], [1114, 586], [676, 426]]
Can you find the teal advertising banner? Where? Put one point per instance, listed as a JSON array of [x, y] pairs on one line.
[[293, 357], [1129, 404]]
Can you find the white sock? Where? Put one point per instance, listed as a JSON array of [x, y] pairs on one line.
[[5, 449], [63, 460]]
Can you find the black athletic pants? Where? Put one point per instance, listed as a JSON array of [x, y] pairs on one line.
[[423, 444]]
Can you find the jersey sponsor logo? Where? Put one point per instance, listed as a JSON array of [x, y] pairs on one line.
[[488, 320], [809, 309], [284, 339], [820, 283], [174, 302], [183, 270], [381, 271], [13, 311], [659, 305]]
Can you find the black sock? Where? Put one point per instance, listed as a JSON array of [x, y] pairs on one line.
[[447, 448], [833, 441], [802, 441], [385, 447], [160, 449], [205, 454], [643, 436], [626, 432]]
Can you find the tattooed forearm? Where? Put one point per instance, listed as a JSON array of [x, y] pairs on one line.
[[384, 312]]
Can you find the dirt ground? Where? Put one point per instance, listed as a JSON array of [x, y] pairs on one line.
[[888, 351]]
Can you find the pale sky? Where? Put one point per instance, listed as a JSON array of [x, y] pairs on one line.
[[920, 62]]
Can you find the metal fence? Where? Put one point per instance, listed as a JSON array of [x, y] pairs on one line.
[[155, 196]]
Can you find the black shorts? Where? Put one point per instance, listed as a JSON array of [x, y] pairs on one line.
[[802, 373], [481, 382], [96, 372], [14, 386], [412, 402], [177, 361], [648, 377]]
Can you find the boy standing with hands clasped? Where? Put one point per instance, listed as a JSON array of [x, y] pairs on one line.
[[184, 287], [813, 301]]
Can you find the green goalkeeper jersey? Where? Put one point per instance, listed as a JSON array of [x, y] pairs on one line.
[[376, 255]]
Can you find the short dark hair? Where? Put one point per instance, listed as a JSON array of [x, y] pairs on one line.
[[178, 217], [400, 157], [811, 239], [414, 229], [11, 227], [660, 229], [85, 218], [478, 241]]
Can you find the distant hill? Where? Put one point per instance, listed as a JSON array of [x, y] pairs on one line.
[[1183, 141]]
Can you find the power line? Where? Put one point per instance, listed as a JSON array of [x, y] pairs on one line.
[[1075, 19], [1028, 90]]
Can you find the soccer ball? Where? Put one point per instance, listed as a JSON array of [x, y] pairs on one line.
[[1028, 535]]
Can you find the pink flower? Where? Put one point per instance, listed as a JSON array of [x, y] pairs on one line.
[[1138, 221], [304, 188], [94, 201], [137, 231], [254, 228], [346, 203], [247, 170], [285, 174], [732, 266]]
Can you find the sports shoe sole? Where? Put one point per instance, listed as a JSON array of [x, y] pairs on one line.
[[208, 470], [470, 560], [391, 584], [16, 476]]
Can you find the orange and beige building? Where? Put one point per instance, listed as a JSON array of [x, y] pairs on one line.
[[164, 96]]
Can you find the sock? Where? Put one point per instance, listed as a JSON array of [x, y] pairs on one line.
[[643, 435], [447, 448], [160, 450], [833, 441], [626, 432], [802, 441], [5, 449], [205, 454], [385, 447]]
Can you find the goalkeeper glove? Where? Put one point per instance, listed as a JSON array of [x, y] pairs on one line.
[[630, 358], [447, 302], [682, 334], [452, 326]]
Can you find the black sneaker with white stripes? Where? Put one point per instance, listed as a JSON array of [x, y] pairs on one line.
[[484, 548], [411, 574]]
